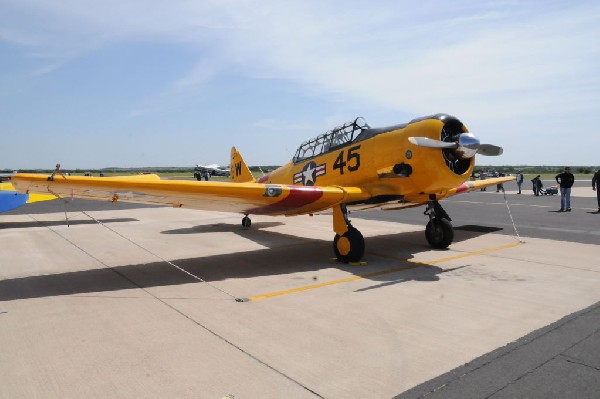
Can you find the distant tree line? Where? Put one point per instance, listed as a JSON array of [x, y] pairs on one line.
[[117, 170], [528, 169]]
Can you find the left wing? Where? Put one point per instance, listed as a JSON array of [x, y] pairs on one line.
[[478, 184], [247, 198]]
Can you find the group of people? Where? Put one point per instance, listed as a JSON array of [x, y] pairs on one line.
[[565, 181]]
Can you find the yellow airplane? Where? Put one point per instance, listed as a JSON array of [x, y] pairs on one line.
[[352, 166]]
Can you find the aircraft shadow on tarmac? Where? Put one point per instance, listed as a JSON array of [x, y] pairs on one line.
[[220, 228], [76, 205], [425, 274], [287, 257], [45, 223]]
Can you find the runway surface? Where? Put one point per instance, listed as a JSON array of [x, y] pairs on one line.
[[158, 302]]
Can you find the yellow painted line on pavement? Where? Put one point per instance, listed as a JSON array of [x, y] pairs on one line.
[[379, 273], [465, 255]]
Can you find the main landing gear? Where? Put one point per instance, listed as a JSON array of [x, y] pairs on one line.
[[439, 232], [348, 243]]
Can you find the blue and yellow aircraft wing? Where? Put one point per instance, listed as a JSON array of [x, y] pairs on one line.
[[11, 199]]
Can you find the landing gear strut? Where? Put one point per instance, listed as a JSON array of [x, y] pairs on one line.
[[348, 243], [439, 232]]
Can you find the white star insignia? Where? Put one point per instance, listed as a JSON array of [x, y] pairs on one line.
[[308, 174]]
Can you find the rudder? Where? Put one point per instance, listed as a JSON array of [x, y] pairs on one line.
[[238, 169]]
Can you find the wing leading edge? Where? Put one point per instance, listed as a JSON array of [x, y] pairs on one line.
[[478, 184], [248, 198]]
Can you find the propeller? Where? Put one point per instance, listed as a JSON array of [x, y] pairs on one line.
[[466, 145], [431, 143], [490, 150]]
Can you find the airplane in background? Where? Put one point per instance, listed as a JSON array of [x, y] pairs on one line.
[[213, 170], [350, 167]]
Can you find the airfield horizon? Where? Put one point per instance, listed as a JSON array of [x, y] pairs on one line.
[[189, 174]]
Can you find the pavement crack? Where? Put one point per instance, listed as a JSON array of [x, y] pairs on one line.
[[579, 362]]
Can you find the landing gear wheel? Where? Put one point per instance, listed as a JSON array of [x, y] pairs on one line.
[[439, 233], [246, 222], [350, 246]]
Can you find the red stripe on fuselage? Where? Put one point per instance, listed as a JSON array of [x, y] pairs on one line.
[[297, 198], [264, 178]]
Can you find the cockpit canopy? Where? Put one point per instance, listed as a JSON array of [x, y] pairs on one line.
[[331, 140]]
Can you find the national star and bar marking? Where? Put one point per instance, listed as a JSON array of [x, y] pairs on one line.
[[310, 172]]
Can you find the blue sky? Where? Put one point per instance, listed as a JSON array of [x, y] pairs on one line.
[[150, 83]]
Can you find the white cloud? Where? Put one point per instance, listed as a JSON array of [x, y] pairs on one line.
[[481, 61], [371, 53]]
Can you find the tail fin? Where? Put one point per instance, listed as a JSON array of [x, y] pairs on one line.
[[239, 171]]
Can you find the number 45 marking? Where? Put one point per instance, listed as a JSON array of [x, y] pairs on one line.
[[352, 160]]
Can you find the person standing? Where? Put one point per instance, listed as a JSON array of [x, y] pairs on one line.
[[482, 177], [500, 186], [537, 185], [519, 180], [566, 180], [596, 186]]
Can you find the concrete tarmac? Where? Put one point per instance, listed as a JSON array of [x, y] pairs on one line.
[[158, 302]]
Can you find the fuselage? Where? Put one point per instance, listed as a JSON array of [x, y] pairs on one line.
[[384, 163]]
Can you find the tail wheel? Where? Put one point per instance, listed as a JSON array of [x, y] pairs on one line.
[[439, 233], [350, 246]]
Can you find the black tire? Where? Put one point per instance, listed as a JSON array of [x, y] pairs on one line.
[[439, 233], [246, 222], [349, 247]]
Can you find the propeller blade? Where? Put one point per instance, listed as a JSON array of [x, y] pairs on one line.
[[490, 150], [427, 142]]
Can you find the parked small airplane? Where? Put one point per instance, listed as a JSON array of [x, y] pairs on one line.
[[200, 171], [352, 166], [6, 176]]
